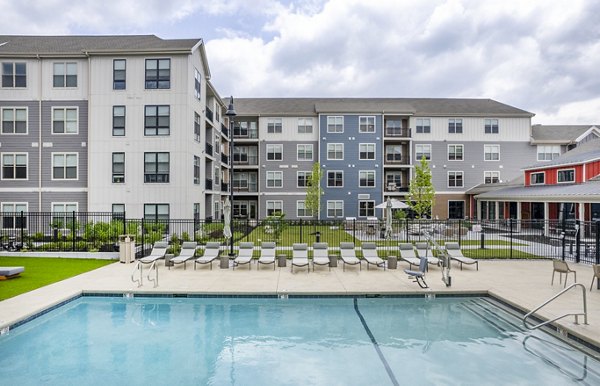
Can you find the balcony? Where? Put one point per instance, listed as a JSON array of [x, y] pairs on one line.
[[244, 187], [245, 160], [224, 159], [208, 184], [393, 188], [209, 149], [396, 159], [209, 114], [224, 130], [224, 187], [398, 132]]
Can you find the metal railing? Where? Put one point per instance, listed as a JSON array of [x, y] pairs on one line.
[[575, 314]]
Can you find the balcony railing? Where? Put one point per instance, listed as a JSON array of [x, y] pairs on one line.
[[224, 187], [208, 184], [398, 132], [209, 149], [224, 130], [249, 160], [396, 188], [209, 114], [390, 159], [242, 188], [224, 159]]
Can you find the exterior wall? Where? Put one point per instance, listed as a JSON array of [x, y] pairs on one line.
[[582, 173], [509, 129], [440, 206], [592, 169]]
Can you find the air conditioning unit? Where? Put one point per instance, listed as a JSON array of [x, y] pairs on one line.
[[391, 187]]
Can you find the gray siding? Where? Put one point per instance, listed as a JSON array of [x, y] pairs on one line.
[[289, 205], [30, 198], [49, 197], [289, 165]]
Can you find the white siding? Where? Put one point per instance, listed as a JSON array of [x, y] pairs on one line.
[[510, 129]]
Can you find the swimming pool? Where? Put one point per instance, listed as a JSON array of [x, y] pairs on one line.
[[271, 341]]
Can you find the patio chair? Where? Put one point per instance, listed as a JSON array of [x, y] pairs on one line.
[[455, 253], [188, 252], [159, 250], [562, 267], [300, 256], [425, 250], [419, 276], [211, 253], [320, 255], [369, 251], [596, 268], [267, 254], [244, 256], [408, 254], [348, 255]]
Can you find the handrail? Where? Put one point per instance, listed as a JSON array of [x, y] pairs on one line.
[[138, 267], [155, 268], [584, 313], [445, 258]]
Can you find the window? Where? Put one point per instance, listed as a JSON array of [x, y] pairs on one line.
[[455, 152], [537, 178], [240, 181], [64, 120], [393, 180], [393, 153], [158, 73], [157, 120], [304, 152], [455, 179], [366, 208], [366, 151], [491, 152], [303, 178], [274, 208], [302, 210], [156, 212], [335, 208], [14, 166], [366, 178], [118, 208], [119, 74], [14, 120], [240, 154], [491, 177], [197, 127], [274, 152], [455, 126], [274, 179], [64, 166], [14, 74], [366, 124], [11, 215], [335, 179], [422, 150], [197, 84], [65, 75], [547, 152], [196, 170], [118, 121], [217, 176], [423, 125], [274, 126], [491, 126], [305, 125], [156, 167], [240, 129], [62, 214], [335, 151], [456, 209], [335, 124], [118, 168], [565, 175]]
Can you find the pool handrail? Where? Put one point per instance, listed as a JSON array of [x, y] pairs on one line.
[[575, 314]]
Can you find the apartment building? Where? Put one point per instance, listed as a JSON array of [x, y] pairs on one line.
[[111, 123]]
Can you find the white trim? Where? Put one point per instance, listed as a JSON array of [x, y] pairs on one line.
[[52, 166], [374, 179], [491, 171], [374, 124], [43, 190], [15, 159], [273, 201], [537, 183], [327, 123], [305, 209], [448, 178], [448, 152], [14, 108], [312, 152], [422, 119], [267, 152], [312, 126], [335, 151], [592, 129], [368, 215], [558, 165], [64, 108], [566, 182], [302, 171], [327, 178], [280, 193], [491, 119], [367, 151], [448, 207], [484, 152], [65, 76], [327, 208], [462, 127], [422, 144], [274, 172]]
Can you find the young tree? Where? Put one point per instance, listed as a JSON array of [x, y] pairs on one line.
[[421, 193], [314, 190]]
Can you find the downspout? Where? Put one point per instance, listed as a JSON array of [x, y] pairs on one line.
[[87, 139], [40, 83]]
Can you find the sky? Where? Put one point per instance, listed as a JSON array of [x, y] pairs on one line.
[[542, 56]]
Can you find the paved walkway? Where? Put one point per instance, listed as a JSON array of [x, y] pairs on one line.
[[522, 283]]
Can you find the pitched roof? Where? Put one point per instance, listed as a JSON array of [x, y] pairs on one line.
[[483, 188], [573, 192], [558, 133], [404, 106], [585, 152]]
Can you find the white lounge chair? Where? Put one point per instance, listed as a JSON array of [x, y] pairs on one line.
[[425, 250], [300, 256], [321, 255], [455, 253], [369, 251], [211, 253], [348, 255], [10, 272], [244, 255], [267, 254], [188, 252], [159, 250], [419, 275], [408, 254]]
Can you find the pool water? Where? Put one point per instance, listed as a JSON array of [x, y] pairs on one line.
[[270, 341]]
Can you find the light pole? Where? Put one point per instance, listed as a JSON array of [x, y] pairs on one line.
[[231, 114]]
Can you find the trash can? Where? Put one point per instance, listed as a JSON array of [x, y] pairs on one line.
[[224, 261], [333, 260], [168, 258], [281, 260], [126, 249], [392, 262]]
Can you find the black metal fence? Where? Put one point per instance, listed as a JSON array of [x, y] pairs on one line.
[[514, 239]]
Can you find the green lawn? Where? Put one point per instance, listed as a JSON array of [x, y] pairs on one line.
[[40, 272], [300, 234], [498, 254]]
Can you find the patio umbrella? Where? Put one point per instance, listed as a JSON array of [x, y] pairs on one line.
[[227, 219], [396, 204], [388, 219]]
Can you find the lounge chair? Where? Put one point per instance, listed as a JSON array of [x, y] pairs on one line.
[[10, 272], [408, 254], [159, 250], [348, 255], [419, 275], [300, 256], [369, 251], [244, 255], [455, 253], [562, 267], [425, 250], [267, 254], [188, 252], [321, 255], [211, 253]]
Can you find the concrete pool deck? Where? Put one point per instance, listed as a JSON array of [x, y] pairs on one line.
[[524, 284]]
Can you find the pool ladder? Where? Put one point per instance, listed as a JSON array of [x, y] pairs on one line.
[[575, 314], [140, 280]]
